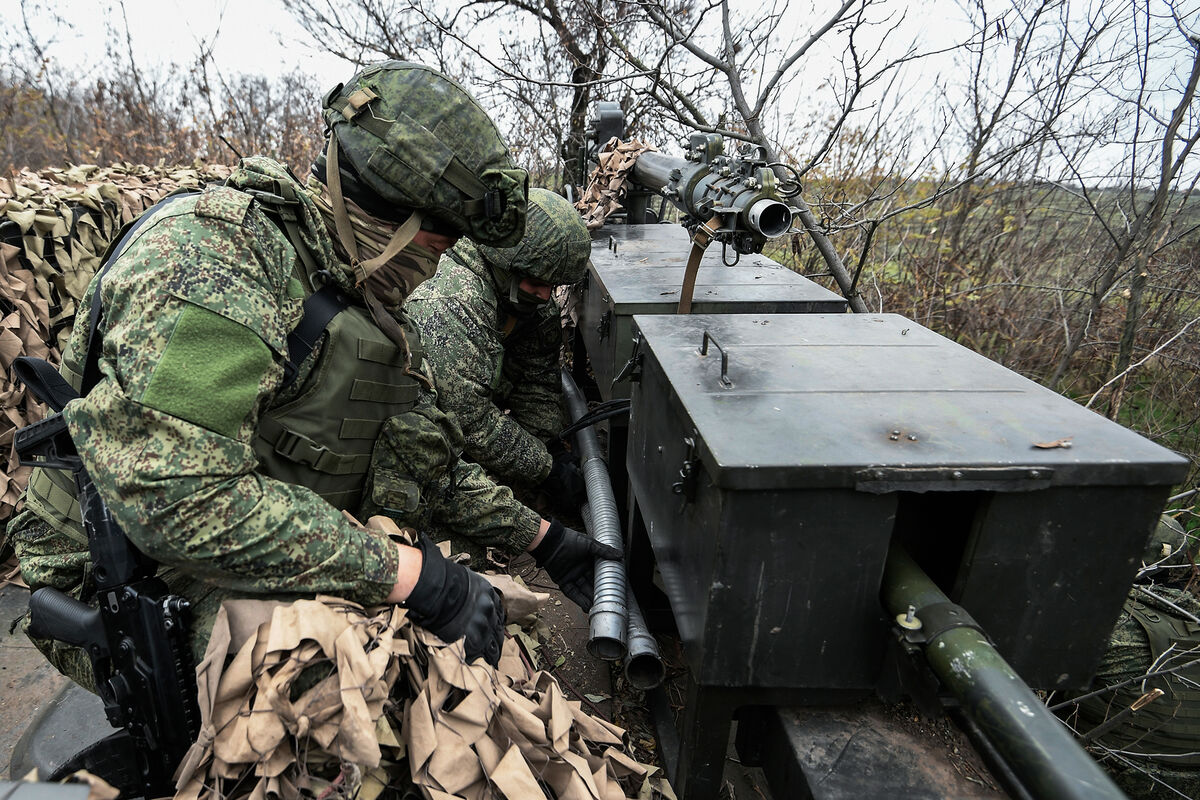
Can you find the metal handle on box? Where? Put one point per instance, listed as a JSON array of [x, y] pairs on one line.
[[708, 337]]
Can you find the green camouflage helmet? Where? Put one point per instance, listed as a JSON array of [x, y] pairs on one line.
[[420, 141], [556, 244], [1169, 546]]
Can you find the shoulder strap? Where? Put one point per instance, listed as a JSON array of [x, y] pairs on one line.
[[44, 381], [281, 207], [319, 308]]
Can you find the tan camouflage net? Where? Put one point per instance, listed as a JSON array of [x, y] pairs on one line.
[[401, 710], [607, 186], [54, 227]]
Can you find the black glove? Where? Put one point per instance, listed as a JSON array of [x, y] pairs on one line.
[[455, 603], [569, 558], [564, 486]]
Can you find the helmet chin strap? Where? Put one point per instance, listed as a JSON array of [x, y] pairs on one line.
[[400, 239]]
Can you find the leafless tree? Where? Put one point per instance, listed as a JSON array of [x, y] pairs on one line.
[[1146, 186], [539, 66]]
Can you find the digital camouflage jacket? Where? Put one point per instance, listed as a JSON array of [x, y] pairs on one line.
[[482, 372], [196, 315]]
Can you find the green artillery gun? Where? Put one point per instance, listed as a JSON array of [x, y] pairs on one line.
[[827, 508]]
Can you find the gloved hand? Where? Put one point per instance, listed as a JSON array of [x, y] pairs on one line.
[[564, 486], [455, 603], [569, 558]]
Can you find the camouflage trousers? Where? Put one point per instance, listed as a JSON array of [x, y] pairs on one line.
[[49, 558]]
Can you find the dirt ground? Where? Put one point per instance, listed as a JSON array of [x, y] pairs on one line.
[[557, 643]]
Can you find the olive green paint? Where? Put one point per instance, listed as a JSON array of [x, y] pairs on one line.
[[209, 371]]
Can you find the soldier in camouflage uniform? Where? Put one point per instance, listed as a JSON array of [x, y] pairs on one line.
[[1153, 753], [492, 336], [257, 377]]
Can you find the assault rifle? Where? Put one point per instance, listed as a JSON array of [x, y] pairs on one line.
[[137, 636]]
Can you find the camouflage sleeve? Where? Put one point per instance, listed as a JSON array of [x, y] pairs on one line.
[[531, 368], [196, 316], [465, 352], [419, 479]]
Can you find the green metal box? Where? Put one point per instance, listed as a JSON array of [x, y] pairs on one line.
[[638, 269], [774, 457]]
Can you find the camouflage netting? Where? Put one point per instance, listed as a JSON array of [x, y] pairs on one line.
[[608, 184], [54, 227], [394, 709]]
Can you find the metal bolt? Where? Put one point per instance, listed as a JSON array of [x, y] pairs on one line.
[[908, 620], [895, 433], [957, 474], [894, 438], [912, 437], [1033, 473]]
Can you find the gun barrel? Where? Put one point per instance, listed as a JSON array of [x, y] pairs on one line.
[[653, 170], [1037, 747]]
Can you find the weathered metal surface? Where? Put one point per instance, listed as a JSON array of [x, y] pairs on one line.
[[638, 269], [861, 751], [1041, 752], [770, 499], [855, 400]]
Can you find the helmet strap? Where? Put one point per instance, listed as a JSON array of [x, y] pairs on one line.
[[341, 220], [400, 239]]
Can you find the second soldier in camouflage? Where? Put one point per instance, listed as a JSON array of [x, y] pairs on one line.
[[492, 335]]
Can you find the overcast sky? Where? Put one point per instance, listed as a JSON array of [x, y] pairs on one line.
[[255, 36]]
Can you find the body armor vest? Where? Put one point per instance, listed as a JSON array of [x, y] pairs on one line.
[[323, 437], [320, 436]]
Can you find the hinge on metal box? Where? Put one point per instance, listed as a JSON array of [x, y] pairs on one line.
[[604, 325], [633, 367], [686, 485]]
